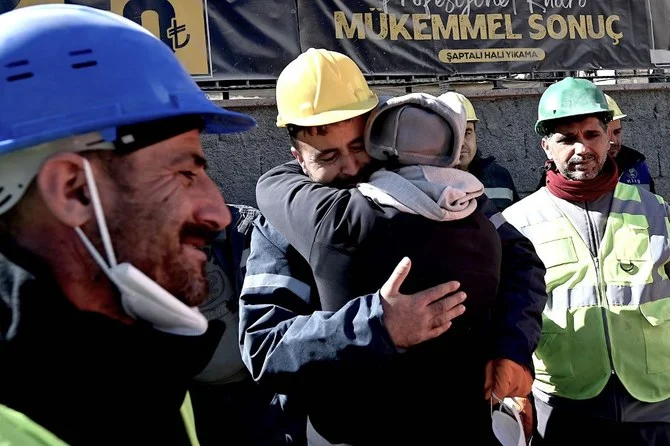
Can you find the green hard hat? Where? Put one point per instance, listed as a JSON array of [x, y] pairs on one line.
[[570, 97]]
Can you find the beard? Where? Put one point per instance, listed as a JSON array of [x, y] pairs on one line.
[[146, 237], [572, 171], [614, 150]]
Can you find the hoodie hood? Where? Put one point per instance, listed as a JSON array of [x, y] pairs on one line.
[[437, 193], [417, 128]]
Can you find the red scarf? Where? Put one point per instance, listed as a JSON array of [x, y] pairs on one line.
[[585, 190]]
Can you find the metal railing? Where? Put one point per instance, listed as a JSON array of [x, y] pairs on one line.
[[497, 80]]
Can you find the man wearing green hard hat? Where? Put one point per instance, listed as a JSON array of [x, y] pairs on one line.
[[632, 165], [602, 365]]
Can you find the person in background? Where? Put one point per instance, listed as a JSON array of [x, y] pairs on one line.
[[417, 205], [632, 164], [303, 344], [498, 183], [602, 365]]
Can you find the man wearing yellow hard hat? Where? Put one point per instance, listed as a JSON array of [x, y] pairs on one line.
[[633, 168], [498, 183], [336, 353]]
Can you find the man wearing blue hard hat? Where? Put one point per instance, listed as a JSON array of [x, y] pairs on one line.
[[104, 204]]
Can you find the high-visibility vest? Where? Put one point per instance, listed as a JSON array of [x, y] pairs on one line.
[[16, 429], [189, 420], [608, 313]]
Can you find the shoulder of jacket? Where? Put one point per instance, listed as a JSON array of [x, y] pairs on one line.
[[492, 168], [646, 193], [519, 211], [266, 233]]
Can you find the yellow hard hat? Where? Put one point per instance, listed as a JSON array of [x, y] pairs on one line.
[[470, 114], [618, 114], [322, 87]]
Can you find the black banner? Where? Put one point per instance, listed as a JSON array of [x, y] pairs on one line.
[[429, 37], [239, 40], [252, 39], [215, 39]]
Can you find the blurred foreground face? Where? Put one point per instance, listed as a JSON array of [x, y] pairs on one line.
[[161, 208]]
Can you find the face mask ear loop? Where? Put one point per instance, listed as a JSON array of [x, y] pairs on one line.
[[99, 215], [493, 395], [97, 257], [94, 252]]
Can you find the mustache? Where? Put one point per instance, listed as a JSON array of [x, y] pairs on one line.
[[199, 232], [582, 158]]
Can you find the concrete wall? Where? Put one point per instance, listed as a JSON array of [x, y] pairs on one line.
[[505, 131]]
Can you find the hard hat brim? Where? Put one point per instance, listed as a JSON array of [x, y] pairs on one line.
[[333, 116], [541, 126], [218, 120]]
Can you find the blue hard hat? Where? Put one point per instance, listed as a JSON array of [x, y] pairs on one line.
[[67, 70]]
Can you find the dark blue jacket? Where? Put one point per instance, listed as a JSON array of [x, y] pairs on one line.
[[497, 181], [633, 168], [224, 393], [290, 341]]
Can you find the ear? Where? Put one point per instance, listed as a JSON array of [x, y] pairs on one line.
[[296, 154], [62, 185], [544, 143]]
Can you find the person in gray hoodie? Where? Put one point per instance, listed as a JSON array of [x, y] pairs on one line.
[[416, 205]]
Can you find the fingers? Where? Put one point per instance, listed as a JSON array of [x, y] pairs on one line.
[[448, 306], [437, 331], [500, 391], [429, 296], [446, 310], [392, 286]]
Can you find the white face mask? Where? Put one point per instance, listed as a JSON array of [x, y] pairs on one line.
[[506, 424], [141, 297]]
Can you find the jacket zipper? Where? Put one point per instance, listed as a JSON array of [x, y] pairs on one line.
[[600, 280]]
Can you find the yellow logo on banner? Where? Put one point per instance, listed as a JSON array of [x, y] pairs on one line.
[[180, 24]]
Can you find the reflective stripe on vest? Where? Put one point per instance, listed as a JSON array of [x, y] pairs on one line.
[[604, 314], [500, 193]]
